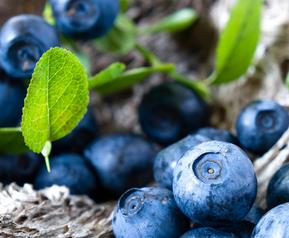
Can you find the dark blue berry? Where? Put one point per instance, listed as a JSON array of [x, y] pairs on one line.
[[260, 124], [274, 223], [215, 183], [121, 161], [69, 170], [23, 39], [85, 19], [148, 212], [278, 189], [171, 111], [12, 94], [19, 168], [166, 160], [207, 232], [85, 132], [217, 134], [254, 215]]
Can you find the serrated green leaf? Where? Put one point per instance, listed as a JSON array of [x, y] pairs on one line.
[[12, 141], [129, 78], [121, 39], [238, 42], [107, 75], [57, 98], [178, 21]]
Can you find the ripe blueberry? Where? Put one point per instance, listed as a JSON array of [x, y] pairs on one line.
[[171, 111], [278, 189], [19, 168], [260, 124], [207, 232], [166, 160], [148, 212], [85, 132], [121, 161], [274, 223], [217, 134], [85, 19], [215, 183], [69, 170], [12, 94], [23, 39]]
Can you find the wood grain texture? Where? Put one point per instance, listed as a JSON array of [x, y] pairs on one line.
[[10, 8]]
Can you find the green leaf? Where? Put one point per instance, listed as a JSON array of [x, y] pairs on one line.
[[178, 21], [238, 42], [121, 39], [107, 75], [124, 5], [12, 141], [48, 14], [57, 98], [198, 86], [128, 78]]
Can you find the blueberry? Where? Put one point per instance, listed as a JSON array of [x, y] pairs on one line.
[[19, 168], [85, 19], [69, 170], [121, 161], [23, 39], [171, 111], [218, 134], [166, 159], [207, 232], [148, 212], [85, 132], [274, 223], [260, 124], [215, 183], [12, 94], [278, 189]]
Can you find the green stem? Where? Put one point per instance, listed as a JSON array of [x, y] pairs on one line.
[[148, 55]]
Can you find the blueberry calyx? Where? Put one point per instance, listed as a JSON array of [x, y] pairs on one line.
[[131, 202], [208, 167]]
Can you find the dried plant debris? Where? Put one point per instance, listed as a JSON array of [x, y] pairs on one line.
[[51, 212]]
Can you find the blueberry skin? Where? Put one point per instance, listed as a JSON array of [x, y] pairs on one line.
[[23, 40], [260, 124], [166, 160], [68, 170], [122, 161], [207, 232], [218, 134], [12, 96], [81, 136], [147, 213], [19, 168], [274, 223], [278, 189], [171, 111], [215, 184], [85, 19]]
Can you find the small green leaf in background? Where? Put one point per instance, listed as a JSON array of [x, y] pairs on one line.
[[118, 81], [287, 80], [12, 141], [124, 5], [238, 42], [56, 100], [121, 39], [48, 14], [178, 21], [198, 86], [107, 75]]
